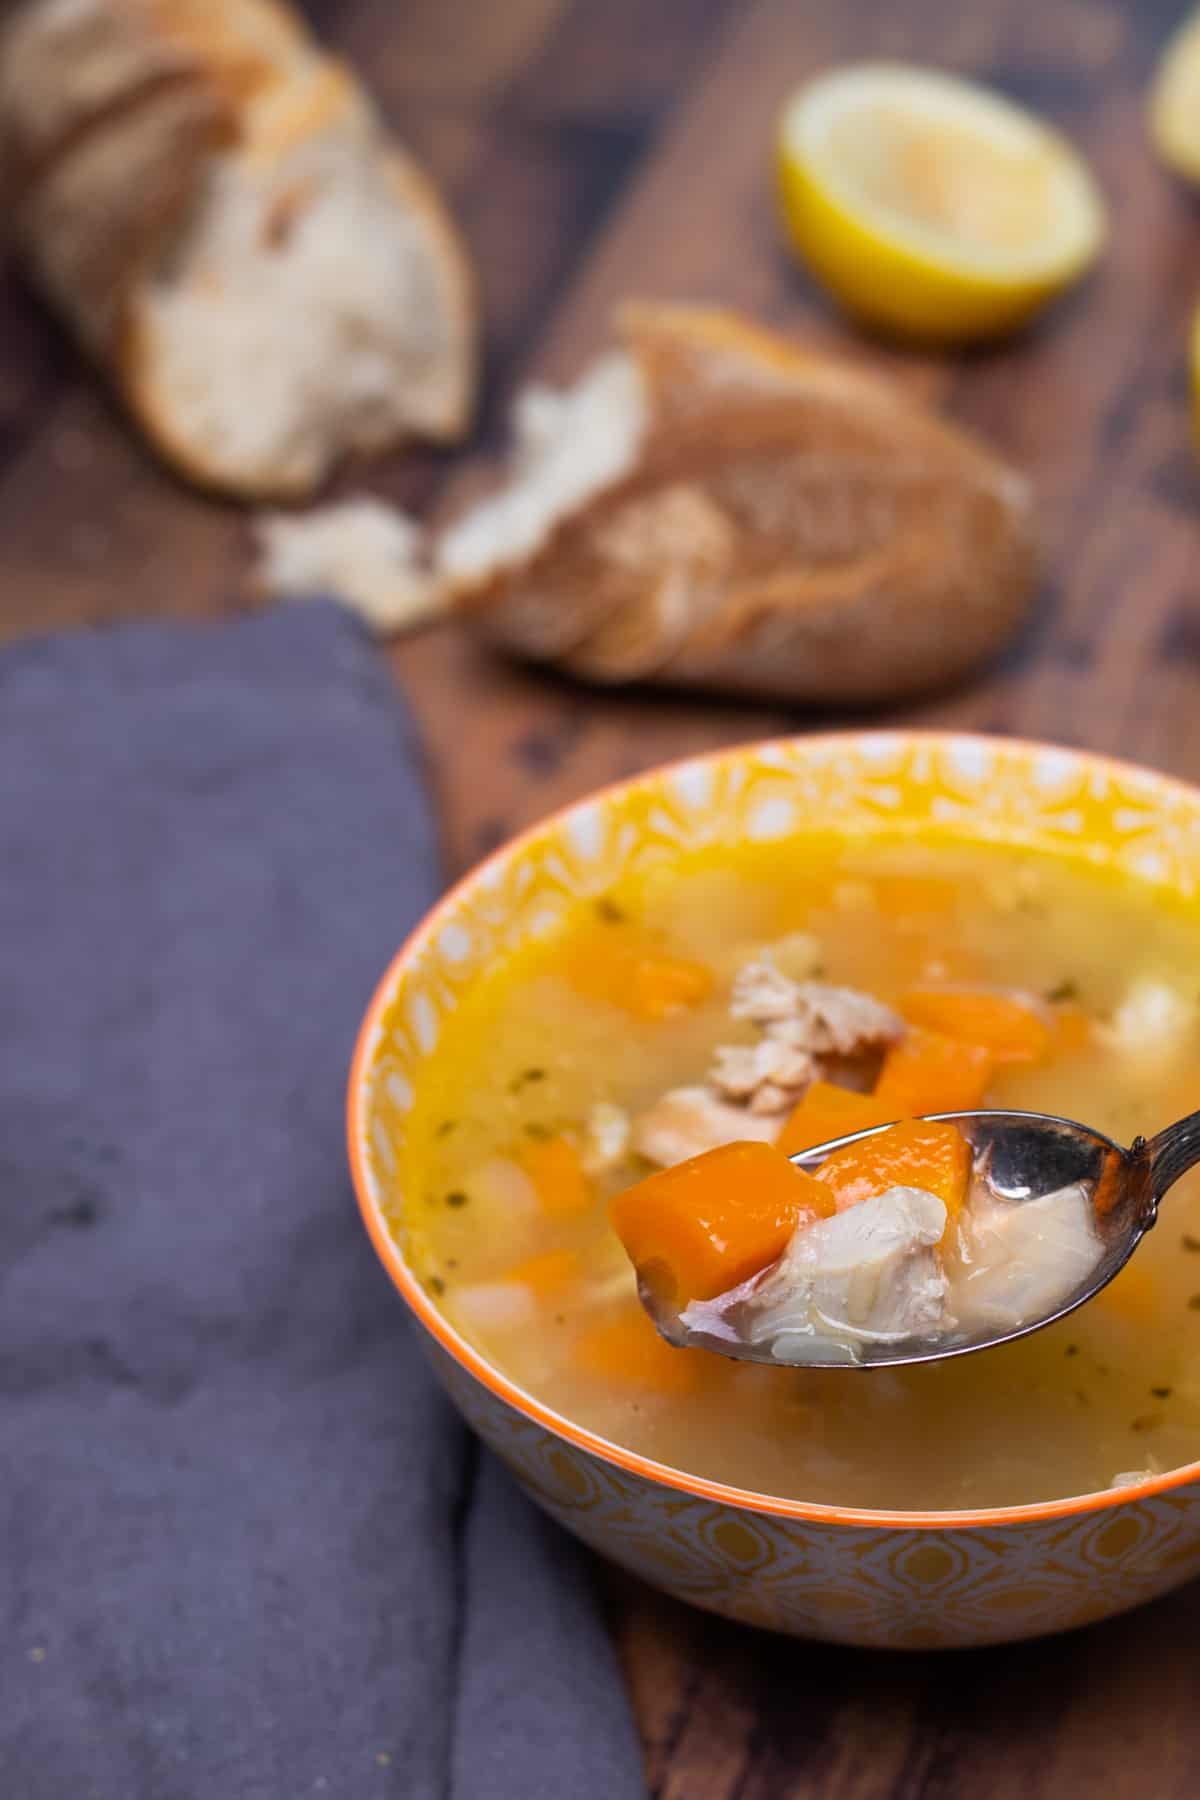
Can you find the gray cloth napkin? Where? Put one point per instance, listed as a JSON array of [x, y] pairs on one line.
[[248, 1552]]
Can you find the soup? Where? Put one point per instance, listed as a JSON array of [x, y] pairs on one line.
[[533, 1117]]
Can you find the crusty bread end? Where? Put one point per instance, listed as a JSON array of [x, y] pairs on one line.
[[215, 205], [776, 523]]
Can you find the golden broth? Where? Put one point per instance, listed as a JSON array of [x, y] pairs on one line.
[[551, 1301]]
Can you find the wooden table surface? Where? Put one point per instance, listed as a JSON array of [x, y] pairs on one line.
[[599, 148]]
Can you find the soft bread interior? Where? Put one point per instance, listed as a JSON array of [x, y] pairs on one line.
[[214, 204], [570, 445], [713, 508], [367, 553], [313, 309]]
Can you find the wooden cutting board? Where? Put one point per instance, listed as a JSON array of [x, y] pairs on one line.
[[595, 150]]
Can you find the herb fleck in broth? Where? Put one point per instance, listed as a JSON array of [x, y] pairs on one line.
[[507, 1216]]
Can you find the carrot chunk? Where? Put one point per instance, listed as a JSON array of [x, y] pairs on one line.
[[919, 1153], [626, 1351], [661, 985], [828, 1111], [1072, 1029], [645, 981], [927, 1072], [543, 1274], [554, 1167], [696, 1229], [1009, 1027], [924, 897]]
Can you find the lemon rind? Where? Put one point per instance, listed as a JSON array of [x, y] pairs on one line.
[[1081, 212]]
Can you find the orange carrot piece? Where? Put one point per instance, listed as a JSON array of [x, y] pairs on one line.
[[696, 1229], [661, 985], [645, 981], [545, 1273], [929, 1073], [828, 1111], [1071, 1030], [924, 897], [557, 1173], [920, 1153], [1009, 1027], [627, 1351]]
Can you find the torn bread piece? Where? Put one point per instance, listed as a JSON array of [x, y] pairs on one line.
[[710, 507], [362, 552], [318, 309], [217, 209], [66, 65]]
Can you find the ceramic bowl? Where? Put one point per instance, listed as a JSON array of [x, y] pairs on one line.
[[873, 1578]]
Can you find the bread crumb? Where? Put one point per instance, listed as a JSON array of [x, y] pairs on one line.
[[363, 552]]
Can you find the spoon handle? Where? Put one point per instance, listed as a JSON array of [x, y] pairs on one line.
[[1171, 1154]]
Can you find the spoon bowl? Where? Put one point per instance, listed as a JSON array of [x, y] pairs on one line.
[[1021, 1157]]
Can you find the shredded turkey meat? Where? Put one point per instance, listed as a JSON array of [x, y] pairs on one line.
[[751, 1087], [800, 1022], [768, 1077], [812, 1015]]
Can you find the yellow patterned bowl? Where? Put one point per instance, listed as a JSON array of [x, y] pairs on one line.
[[901, 1579]]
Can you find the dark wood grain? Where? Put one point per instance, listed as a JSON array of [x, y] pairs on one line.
[[598, 150]]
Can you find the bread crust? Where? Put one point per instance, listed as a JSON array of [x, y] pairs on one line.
[[792, 528], [118, 121]]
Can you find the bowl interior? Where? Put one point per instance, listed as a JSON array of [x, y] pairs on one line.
[[876, 786]]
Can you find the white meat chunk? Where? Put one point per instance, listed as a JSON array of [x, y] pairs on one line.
[[1152, 1022], [768, 1077], [687, 1121], [868, 1275], [606, 1137], [493, 1306], [1022, 1259], [1132, 1477]]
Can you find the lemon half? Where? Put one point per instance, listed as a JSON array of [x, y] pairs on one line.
[[1175, 102], [931, 207]]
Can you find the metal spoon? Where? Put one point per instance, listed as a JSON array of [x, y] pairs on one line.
[[1023, 1156]]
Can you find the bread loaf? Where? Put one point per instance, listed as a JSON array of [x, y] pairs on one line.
[[212, 202], [712, 508]]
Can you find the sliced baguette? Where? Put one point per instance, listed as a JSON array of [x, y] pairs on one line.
[[65, 65], [762, 521], [214, 204], [317, 307], [104, 206]]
